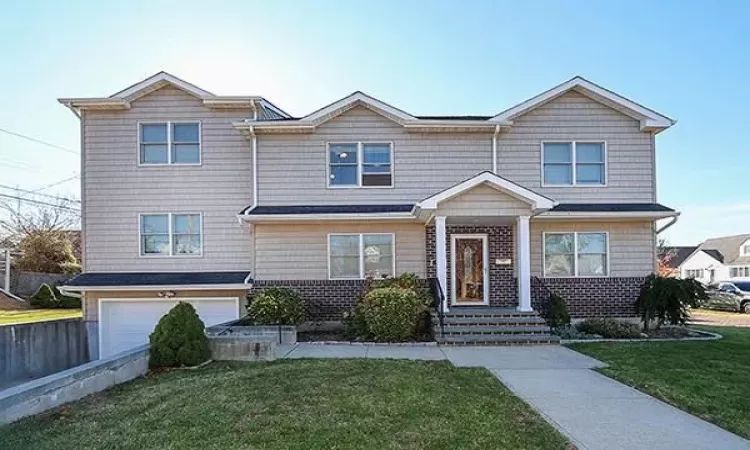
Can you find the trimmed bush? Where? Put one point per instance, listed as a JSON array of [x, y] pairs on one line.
[[44, 297], [403, 281], [276, 306], [48, 297], [610, 328], [557, 313], [179, 339], [387, 314], [668, 300]]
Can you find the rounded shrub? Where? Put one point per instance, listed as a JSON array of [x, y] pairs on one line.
[[557, 314], [276, 306], [179, 339], [44, 297], [390, 314]]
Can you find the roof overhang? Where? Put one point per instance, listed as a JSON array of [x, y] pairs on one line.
[[160, 287], [537, 201], [277, 214], [604, 215], [159, 281], [123, 98], [649, 119], [310, 122]]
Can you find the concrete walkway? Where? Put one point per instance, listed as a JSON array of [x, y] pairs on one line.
[[593, 411]]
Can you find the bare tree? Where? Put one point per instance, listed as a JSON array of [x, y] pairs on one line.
[[23, 217]]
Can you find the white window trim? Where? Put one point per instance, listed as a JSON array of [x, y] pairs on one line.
[[361, 254], [575, 254], [169, 124], [360, 163], [170, 221], [573, 163]]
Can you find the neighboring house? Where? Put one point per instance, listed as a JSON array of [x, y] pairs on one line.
[[718, 259], [189, 195]]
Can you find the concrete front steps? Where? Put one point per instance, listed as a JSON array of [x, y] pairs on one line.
[[474, 325]]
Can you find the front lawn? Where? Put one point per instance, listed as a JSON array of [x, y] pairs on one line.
[[708, 379], [303, 404], [11, 317]]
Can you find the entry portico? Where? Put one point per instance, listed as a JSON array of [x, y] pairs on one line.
[[497, 208]]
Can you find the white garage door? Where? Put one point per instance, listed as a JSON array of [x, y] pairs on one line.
[[127, 323]]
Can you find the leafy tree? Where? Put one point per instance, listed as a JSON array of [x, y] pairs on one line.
[[668, 300], [47, 252]]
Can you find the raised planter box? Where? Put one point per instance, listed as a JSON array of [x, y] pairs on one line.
[[241, 348], [283, 334]]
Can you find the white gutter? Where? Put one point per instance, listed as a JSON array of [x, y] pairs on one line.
[[606, 214], [494, 149], [668, 224], [68, 293], [180, 287], [314, 217]]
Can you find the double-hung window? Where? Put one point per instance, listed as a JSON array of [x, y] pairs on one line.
[[575, 254], [360, 164], [574, 163], [739, 272], [357, 256], [171, 234], [169, 143]]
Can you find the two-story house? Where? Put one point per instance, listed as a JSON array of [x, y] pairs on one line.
[[193, 196]]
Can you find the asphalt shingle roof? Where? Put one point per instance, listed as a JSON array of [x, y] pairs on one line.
[[327, 209], [115, 279]]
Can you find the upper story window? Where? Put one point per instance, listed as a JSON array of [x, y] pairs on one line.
[[745, 250], [356, 256], [574, 163], [576, 254], [360, 164], [171, 234], [169, 143]]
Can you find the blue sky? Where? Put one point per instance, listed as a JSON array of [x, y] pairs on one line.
[[688, 60]]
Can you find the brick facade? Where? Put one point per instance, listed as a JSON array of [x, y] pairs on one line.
[[325, 300], [503, 287], [592, 297]]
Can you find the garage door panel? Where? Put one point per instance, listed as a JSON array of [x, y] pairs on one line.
[[126, 323]]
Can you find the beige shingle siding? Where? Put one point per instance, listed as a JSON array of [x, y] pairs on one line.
[[293, 166], [484, 201], [630, 167], [631, 244], [300, 251], [117, 190]]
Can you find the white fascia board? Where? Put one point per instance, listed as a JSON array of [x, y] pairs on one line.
[[176, 287], [162, 77], [537, 201], [649, 118], [230, 102], [95, 103], [606, 214], [260, 218], [357, 97]]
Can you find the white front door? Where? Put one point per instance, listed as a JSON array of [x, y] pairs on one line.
[[469, 269], [127, 323]]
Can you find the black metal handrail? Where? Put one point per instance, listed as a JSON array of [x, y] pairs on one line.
[[438, 302], [544, 297]]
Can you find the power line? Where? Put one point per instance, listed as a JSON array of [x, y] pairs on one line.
[[56, 183], [39, 141], [39, 202], [26, 191]]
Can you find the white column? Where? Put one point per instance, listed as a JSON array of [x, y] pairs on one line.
[[441, 257], [523, 263]]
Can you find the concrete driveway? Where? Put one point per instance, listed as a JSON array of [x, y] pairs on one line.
[[593, 411]]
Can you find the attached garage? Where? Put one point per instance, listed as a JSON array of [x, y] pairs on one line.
[[120, 310], [126, 323]]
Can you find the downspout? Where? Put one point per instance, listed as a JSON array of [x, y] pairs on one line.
[[669, 224], [254, 145], [494, 149]]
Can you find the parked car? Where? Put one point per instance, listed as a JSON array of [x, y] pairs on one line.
[[738, 290]]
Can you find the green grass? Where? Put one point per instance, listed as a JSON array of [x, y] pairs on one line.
[[304, 404], [708, 379], [10, 317]]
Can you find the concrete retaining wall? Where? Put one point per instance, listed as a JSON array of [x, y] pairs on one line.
[[34, 350], [49, 392], [241, 348]]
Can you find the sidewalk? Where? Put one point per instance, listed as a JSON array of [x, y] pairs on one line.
[[593, 411]]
